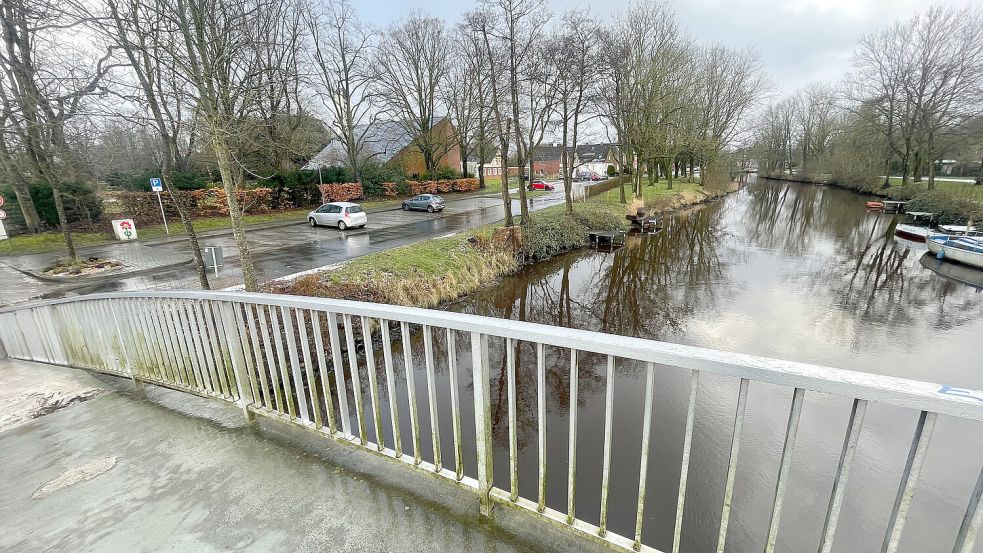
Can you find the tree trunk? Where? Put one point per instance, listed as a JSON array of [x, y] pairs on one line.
[[189, 228], [62, 218], [230, 182], [504, 177], [26, 203], [930, 157], [481, 172]]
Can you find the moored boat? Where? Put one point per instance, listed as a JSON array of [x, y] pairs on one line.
[[967, 250], [961, 230], [915, 226]]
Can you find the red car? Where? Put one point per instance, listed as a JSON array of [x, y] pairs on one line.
[[541, 185]]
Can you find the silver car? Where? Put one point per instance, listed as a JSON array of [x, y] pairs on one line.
[[338, 214]]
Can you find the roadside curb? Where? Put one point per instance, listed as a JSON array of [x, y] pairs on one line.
[[99, 278]]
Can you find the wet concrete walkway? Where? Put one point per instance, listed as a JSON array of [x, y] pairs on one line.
[[170, 472]]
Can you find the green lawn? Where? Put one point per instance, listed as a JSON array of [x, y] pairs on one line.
[[956, 189], [649, 193]]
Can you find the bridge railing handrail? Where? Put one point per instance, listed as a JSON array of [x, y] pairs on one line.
[[274, 355]]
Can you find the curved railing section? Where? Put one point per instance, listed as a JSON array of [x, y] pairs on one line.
[[315, 362]]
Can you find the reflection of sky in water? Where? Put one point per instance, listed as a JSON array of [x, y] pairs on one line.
[[788, 271], [794, 272]]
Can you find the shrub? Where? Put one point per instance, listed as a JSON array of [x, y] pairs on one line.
[[83, 207], [341, 192], [551, 232], [296, 188], [947, 209], [143, 208]]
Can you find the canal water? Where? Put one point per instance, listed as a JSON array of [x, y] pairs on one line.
[[782, 270]]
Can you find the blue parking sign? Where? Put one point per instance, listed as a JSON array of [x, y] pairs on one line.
[[155, 185]]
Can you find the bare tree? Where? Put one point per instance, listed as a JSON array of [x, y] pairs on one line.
[[575, 59], [342, 51], [412, 61], [475, 65], [138, 32], [517, 27], [45, 84], [459, 93]]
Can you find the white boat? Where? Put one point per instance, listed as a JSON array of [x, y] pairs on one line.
[[967, 250], [915, 226], [961, 230]]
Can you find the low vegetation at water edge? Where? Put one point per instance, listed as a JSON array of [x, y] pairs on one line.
[[432, 272]]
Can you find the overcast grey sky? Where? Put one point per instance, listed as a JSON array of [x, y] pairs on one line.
[[800, 41]]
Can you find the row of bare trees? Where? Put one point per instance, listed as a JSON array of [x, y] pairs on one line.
[[914, 96], [218, 76]]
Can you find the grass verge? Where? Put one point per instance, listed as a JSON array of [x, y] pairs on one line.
[[433, 272]]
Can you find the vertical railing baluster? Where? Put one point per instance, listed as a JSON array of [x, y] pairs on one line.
[[190, 344], [207, 348], [370, 369], [432, 395], [283, 365], [236, 357], [356, 378], [404, 330], [572, 449], [909, 480], [247, 352], [260, 362], [168, 365], [322, 365], [791, 432], [541, 408], [387, 358], [972, 520], [174, 350], [288, 330], [214, 343], [608, 435], [735, 447], [513, 423], [455, 403], [195, 337], [217, 309], [482, 419], [684, 469], [339, 375], [182, 347], [265, 313], [842, 474], [305, 348], [643, 469]]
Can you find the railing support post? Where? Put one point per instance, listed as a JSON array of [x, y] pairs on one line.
[[482, 419], [137, 382], [238, 359]]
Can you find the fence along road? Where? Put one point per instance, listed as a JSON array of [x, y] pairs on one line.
[[292, 359]]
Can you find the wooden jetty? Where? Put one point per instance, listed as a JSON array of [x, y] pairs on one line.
[[642, 223], [606, 238]]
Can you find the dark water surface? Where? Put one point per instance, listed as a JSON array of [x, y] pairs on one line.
[[782, 270]]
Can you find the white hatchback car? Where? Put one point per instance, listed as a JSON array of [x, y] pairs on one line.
[[338, 214]]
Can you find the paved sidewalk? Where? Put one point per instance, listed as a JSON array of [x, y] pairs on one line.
[[128, 474]]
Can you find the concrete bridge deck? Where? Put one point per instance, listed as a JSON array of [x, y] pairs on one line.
[[145, 475]]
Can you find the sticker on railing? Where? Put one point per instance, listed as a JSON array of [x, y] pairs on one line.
[[961, 392]]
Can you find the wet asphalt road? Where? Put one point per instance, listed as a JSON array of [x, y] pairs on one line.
[[286, 250]]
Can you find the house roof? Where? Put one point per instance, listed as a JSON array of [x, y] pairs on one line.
[[383, 140], [547, 153], [490, 156], [587, 153]]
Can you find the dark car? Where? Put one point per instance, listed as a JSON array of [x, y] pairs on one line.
[[425, 202], [541, 185]]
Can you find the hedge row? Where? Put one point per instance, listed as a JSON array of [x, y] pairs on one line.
[[342, 192], [143, 208], [437, 186]]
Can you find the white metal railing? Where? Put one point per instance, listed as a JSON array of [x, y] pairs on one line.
[[285, 357]]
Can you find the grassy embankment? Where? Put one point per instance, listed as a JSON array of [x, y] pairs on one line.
[[432, 272], [53, 241]]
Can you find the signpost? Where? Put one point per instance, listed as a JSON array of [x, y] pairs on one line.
[[157, 186]]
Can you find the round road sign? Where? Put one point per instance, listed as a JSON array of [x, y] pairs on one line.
[[1, 201], [3, 215]]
